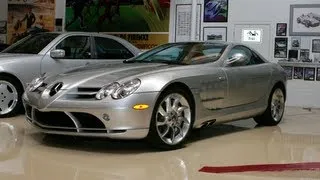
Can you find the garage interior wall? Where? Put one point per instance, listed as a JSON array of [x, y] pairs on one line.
[[261, 12], [300, 93]]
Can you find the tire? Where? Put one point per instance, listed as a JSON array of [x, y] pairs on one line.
[[10, 97], [275, 110], [167, 124]]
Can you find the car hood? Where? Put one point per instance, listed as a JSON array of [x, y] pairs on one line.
[[102, 74]]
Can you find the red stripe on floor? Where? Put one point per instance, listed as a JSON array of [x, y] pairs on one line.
[[312, 166]]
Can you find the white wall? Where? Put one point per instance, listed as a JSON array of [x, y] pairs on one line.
[[300, 93]]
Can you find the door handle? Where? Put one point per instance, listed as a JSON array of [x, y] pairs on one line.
[[221, 78]]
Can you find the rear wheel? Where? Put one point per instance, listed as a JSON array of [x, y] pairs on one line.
[[274, 113], [10, 97], [172, 120]]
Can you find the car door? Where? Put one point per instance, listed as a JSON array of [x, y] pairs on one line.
[[78, 52], [212, 79], [247, 81], [108, 50]]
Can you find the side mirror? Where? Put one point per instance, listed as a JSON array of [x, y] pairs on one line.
[[238, 58], [57, 53]]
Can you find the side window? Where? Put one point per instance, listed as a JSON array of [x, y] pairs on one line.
[[241, 50], [256, 59], [76, 47], [205, 53], [110, 49]]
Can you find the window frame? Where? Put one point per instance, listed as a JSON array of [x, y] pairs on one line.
[[95, 53]]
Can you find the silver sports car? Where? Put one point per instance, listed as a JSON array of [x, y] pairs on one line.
[[53, 53], [161, 94]]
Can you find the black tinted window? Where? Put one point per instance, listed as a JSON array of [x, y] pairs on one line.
[[76, 47], [110, 49], [32, 44], [256, 59]]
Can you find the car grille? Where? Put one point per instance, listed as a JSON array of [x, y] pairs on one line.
[[83, 93], [63, 121]]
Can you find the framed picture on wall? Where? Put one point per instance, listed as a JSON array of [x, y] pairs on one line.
[[316, 45], [293, 55], [183, 22], [215, 34], [281, 48], [215, 11], [289, 71], [318, 74], [295, 42], [309, 73], [281, 29], [305, 55], [304, 20], [298, 73]]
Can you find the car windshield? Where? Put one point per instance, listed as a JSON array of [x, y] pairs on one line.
[[32, 44], [182, 53]]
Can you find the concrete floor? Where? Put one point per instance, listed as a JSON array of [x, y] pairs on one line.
[[26, 154]]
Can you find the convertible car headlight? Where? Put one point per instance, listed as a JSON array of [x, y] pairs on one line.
[[126, 89], [36, 83], [117, 91], [107, 90]]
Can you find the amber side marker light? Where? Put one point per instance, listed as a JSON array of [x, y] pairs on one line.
[[141, 107]]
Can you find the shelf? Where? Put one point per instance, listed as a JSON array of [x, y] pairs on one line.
[[299, 64]]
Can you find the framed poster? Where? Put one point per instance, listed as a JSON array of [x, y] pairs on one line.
[[215, 33], [298, 73], [183, 22], [318, 74], [281, 29], [305, 55], [304, 20], [281, 48], [309, 73], [215, 11], [289, 71], [295, 42], [293, 55], [316, 45], [252, 35]]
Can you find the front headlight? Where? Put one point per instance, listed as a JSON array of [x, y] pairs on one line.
[[118, 91], [126, 89], [36, 83], [107, 90]]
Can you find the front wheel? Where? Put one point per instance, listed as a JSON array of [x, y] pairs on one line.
[[172, 120], [274, 113], [10, 97]]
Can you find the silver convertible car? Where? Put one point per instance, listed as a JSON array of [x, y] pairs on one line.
[[53, 53], [161, 94]]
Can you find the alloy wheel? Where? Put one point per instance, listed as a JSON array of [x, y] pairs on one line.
[[277, 105], [173, 119], [8, 97]]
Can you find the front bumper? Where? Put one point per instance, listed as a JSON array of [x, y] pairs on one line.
[[107, 118]]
